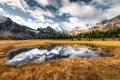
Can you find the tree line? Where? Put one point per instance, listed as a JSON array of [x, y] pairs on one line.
[[111, 33]]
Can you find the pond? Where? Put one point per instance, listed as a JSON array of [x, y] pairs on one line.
[[44, 53]]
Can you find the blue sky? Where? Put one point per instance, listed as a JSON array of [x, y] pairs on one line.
[[55, 13]]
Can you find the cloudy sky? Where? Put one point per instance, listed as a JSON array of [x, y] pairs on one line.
[[65, 13]]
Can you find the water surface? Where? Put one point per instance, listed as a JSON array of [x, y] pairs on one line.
[[44, 53]]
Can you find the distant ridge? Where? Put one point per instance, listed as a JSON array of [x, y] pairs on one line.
[[113, 23]]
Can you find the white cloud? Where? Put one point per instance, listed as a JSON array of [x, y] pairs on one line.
[[55, 25], [43, 2], [89, 14], [21, 4], [49, 21], [49, 14], [81, 13], [77, 10], [105, 2], [37, 14], [2, 12], [112, 12], [21, 21], [74, 22]]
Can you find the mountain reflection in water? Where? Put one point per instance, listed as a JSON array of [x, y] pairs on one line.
[[41, 54]]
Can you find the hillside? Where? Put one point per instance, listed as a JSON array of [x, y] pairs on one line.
[[105, 25], [8, 28]]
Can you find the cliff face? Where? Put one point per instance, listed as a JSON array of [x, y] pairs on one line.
[[113, 23]]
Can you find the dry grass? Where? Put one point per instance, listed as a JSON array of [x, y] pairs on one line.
[[62, 69], [22, 43]]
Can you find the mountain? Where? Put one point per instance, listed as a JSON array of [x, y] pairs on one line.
[[113, 23], [75, 31], [8, 28], [107, 24], [60, 30], [46, 31]]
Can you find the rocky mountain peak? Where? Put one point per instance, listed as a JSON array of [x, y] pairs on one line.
[[46, 31]]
